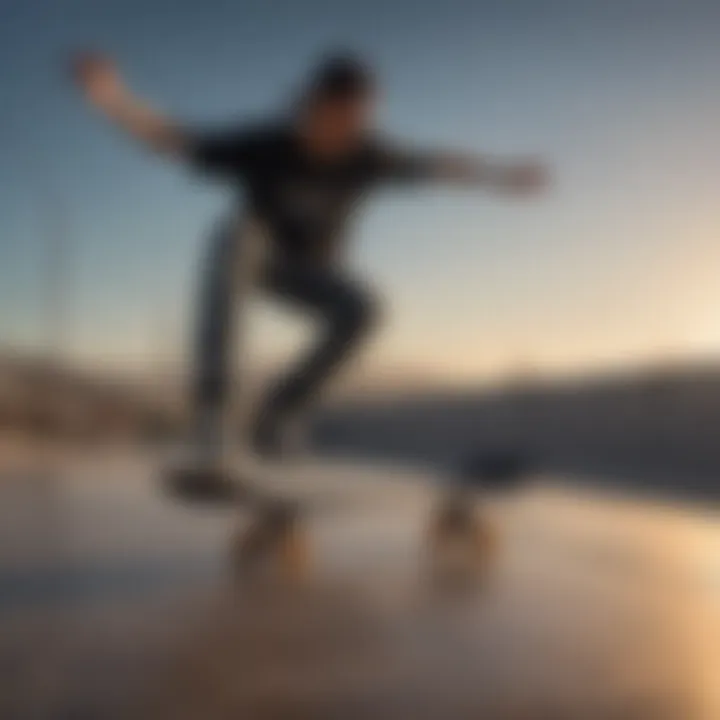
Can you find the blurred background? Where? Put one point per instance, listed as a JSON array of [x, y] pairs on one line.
[[582, 328], [603, 291]]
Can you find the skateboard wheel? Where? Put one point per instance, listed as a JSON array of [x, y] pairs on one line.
[[293, 552], [273, 538], [459, 537]]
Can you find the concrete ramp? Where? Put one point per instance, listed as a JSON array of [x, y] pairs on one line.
[[115, 602]]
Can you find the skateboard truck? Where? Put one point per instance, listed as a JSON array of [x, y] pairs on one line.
[[458, 531], [203, 485]]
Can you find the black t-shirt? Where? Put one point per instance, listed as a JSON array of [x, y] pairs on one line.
[[304, 201]]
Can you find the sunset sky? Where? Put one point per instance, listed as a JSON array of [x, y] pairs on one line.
[[617, 264]]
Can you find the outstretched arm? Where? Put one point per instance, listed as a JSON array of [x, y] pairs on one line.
[[105, 90], [518, 177]]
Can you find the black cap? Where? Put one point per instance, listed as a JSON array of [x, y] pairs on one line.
[[340, 76]]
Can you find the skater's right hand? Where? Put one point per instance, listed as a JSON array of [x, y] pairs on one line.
[[99, 79], [104, 88]]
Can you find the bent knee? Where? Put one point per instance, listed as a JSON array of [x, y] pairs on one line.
[[361, 311]]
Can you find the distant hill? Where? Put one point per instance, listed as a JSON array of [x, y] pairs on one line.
[[37, 395], [657, 427]]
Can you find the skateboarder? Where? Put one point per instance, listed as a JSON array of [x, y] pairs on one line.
[[302, 173]]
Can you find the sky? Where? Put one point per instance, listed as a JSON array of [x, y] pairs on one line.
[[616, 264]]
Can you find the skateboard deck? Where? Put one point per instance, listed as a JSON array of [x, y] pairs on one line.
[[280, 498]]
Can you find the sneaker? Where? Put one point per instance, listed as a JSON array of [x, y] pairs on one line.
[[207, 484]]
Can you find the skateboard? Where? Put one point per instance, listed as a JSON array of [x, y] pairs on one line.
[[459, 535], [275, 530]]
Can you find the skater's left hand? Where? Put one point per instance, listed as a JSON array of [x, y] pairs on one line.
[[525, 178]]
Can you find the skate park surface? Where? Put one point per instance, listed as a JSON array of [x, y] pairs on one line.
[[117, 603]]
